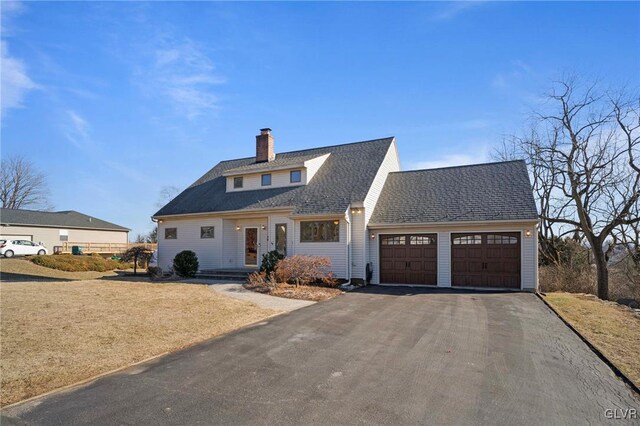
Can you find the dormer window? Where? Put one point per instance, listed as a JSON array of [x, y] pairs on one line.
[[295, 176], [266, 179], [237, 182]]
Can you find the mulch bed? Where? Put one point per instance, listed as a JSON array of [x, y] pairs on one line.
[[315, 293]]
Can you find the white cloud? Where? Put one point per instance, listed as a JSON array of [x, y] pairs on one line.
[[480, 155], [76, 129], [15, 81], [518, 72], [455, 8], [180, 72]]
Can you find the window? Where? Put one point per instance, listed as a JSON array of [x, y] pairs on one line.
[[170, 233], [396, 240], [295, 176], [421, 240], [468, 239], [266, 180], [281, 238], [320, 231], [206, 231], [237, 182], [64, 238], [64, 234], [501, 239]]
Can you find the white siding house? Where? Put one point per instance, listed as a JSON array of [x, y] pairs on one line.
[[469, 226]]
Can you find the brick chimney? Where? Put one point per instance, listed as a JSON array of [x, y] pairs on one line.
[[264, 146]]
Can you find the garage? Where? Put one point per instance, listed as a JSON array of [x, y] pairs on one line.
[[486, 259], [409, 259]]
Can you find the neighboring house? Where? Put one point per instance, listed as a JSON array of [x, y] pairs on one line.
[[472, 226], [60, 229]]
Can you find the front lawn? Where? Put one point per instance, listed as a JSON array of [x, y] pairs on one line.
[[55, 334], [613, 329]]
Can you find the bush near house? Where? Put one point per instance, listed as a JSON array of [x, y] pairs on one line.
[[71, 263], [186, 264], [297, 277], [270, 261], [304, 270]]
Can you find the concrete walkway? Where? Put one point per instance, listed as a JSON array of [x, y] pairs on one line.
[[237, 291]]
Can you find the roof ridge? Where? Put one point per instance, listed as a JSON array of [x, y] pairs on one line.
[[316, 148], [490, 163]]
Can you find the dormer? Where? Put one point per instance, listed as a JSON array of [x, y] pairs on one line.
[[272, 171]]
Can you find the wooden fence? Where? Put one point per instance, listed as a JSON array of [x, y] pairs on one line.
[[104, 247]]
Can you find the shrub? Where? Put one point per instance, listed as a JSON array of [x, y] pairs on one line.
[[304, 270], [71, 263], [270, 261], [186, 263], [155, 272], [136, 254]]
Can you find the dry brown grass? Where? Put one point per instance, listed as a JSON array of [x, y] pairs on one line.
[[55, 334], [24, 267], [302, 292], [612, 328]]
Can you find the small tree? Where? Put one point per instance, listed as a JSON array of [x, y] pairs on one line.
[[270, 261], [186, 263], [136, 254]]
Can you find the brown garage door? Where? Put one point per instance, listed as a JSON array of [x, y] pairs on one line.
[[409, 259], [485, 260]]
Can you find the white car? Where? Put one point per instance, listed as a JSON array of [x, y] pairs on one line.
[[10, 248]]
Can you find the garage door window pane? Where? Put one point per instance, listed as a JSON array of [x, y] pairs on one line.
[[397, 240], [501, 239], [421, 240], [468, 239]]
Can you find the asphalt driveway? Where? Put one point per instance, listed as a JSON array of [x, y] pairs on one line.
[[376, 356]]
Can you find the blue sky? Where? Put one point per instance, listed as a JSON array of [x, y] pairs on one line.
[[114, 101]]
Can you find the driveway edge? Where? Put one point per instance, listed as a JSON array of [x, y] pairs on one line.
[[119, 369], [606, 360]]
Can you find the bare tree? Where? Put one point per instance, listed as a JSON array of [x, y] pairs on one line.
[[167, 193], [22, 186], [584, 156]]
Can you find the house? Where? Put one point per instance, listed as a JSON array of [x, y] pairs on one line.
[[468, 226], [61, 229]]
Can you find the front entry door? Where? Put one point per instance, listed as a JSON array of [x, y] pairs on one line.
[[251, 246]]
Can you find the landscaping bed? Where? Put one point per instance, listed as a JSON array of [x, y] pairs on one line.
[[22, 269], [304, 292], [71, 263], [58, 333], [612, 328]]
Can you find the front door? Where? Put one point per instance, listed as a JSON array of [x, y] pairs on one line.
[[251, 246]]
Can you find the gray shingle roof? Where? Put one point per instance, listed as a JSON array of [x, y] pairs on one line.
[[62, 219], [344, 178], [281, 161], [493, 191]]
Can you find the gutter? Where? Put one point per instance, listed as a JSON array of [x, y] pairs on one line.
[[452, 223]]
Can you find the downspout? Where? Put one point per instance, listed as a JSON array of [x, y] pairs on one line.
[[348, 220]]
